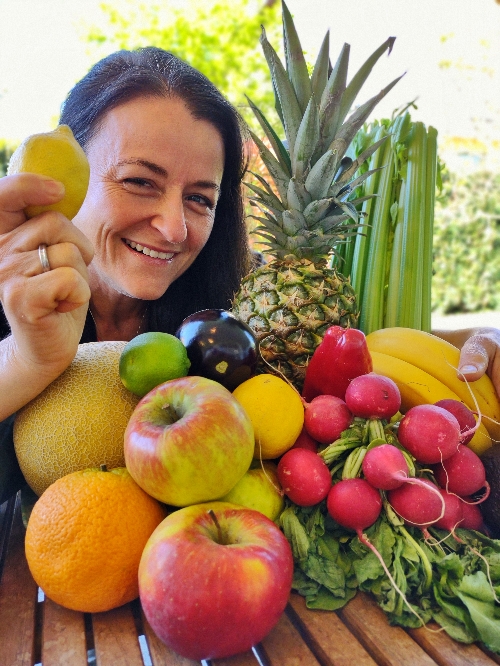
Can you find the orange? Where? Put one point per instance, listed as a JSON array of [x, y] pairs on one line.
[[85, 538]]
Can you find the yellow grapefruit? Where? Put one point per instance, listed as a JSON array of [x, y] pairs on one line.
[[78, 421]]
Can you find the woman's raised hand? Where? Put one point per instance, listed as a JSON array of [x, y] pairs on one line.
[[46, 308]]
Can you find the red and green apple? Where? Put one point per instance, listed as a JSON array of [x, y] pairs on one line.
[[188, 441], [214, 579]]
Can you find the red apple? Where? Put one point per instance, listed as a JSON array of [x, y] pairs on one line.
[[188, 441], [214, 579]]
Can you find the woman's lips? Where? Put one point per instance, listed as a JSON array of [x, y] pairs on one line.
[[149, 252]]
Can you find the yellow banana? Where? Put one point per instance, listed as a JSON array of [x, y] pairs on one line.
[[418, 387], [440, 359]]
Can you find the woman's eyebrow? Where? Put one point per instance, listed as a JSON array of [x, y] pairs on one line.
[[156, 168]]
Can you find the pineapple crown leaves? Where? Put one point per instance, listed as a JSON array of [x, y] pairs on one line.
[[312, 109]]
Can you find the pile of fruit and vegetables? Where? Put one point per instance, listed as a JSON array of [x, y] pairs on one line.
[[287, 443]]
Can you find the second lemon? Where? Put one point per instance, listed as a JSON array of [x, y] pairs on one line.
[[276, 411]]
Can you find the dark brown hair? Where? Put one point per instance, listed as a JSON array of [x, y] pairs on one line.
[[213, 278]]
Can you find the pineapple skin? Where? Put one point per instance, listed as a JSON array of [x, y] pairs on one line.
[[289, 304]]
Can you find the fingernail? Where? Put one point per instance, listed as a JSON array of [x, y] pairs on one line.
[[53, 187], [467, 369]]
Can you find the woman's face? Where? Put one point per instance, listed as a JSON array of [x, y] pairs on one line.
[[155, 174]]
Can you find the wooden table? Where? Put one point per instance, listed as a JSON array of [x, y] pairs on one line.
[[34, 630]]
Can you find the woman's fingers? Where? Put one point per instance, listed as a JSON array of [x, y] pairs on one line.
[[58, 256], [480, 354], [25, 189], [51, 228], [59, 290]]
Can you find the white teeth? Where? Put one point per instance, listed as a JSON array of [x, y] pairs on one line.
[[148, 252]]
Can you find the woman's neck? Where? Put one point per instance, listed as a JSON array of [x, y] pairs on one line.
[[121, 320]]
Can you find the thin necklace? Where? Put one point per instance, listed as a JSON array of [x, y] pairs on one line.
[[141, 321]]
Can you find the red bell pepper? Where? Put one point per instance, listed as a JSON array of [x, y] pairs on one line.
[[341, 356]]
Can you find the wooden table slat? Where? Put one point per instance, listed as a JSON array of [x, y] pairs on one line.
[[160, 654], [446, 651], [328, 637], [243, 659], [115, 638], [388, 645], [63, 636], [18, 601], [285, 647]]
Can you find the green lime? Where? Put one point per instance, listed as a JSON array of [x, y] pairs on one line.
[[150, 359]]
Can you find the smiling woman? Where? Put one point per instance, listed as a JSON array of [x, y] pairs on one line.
[[150, 206], [164, 201], [160, 234]]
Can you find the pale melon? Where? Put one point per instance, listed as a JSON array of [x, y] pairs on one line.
[[78, 421]]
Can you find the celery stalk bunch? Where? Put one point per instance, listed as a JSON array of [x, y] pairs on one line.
[[390, 261]]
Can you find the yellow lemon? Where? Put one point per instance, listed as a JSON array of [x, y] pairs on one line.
[[58, 155], [150, 359], [276, 411]]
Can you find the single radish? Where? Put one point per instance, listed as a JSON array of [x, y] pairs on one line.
[[430, 433], [465, 417], [453, 513], [472, 516], [304, 477], [463, 473], [385, 467], [373, 396], [418, 505], [305, 441], [326, 417], [355, 504]]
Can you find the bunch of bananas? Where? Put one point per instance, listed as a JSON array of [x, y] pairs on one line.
[[425, 369]]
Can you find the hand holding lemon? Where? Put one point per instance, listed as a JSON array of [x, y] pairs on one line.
[[44, 286]]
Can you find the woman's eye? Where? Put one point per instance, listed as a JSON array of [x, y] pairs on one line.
[[197, 198], [139, 182]]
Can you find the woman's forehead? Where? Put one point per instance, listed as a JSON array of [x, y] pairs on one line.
[[149, 127]]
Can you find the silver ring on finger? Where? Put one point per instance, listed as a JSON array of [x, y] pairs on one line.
[[44, 258]]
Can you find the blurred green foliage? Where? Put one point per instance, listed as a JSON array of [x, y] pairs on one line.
[[6, 150], [218, 37], [467, 244]]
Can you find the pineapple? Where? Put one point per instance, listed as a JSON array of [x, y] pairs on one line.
[[305, 216]]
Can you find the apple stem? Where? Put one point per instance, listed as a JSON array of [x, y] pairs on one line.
[[103, 468], [212, 515]]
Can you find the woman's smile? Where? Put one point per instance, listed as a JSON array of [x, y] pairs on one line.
[[149, 251]]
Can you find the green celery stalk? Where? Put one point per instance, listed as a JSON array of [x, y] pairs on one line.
[[393, 305], [413, 230], [372, 305], [430, 197], [362, 239]]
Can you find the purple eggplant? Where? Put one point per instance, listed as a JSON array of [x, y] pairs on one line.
[[219, 346]]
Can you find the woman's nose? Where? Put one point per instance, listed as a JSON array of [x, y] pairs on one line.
[[170, 221]]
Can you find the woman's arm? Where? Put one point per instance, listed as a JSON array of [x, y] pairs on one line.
[[479, 352], [45, 309]]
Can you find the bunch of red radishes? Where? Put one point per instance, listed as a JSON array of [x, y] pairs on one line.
[[435, 436]]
